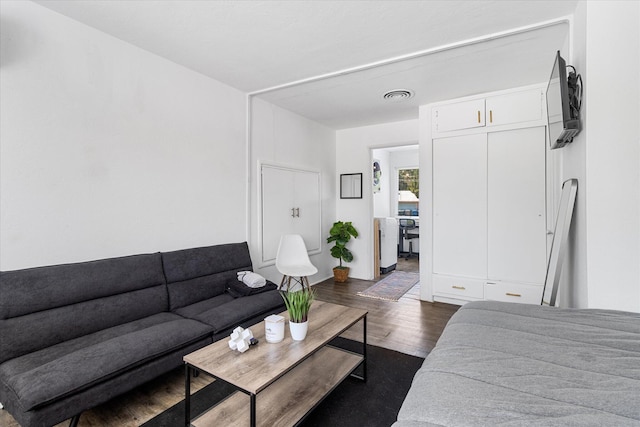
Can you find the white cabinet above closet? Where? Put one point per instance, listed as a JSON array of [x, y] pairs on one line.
[[505, 109], [458, 116]]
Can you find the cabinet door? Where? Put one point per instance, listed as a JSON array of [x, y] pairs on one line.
[[517, 210], [277, 205], [290, 205], [460, 205], [461, 115], [514, 107], [306, 190]]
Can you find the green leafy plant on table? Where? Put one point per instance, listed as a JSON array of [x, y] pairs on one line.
[[298, 304]]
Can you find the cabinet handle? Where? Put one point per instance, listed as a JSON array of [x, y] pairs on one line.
[[293, 212], [458, 287], [509, 294], [490, 116], [298, 212], [478, 116]]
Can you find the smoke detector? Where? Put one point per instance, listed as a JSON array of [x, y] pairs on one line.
[[398, 95]]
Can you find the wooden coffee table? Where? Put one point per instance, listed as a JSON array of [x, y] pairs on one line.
[[279, 384]]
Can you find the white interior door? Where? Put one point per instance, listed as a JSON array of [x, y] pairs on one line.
[[291, 204], [517, 208], [277, 205], [460, 205], [306, 190]]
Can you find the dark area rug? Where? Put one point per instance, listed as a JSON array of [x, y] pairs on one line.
[[352, 403]]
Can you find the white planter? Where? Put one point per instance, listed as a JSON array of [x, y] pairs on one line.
[[298, 330]]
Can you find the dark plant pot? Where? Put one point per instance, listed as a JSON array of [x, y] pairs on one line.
[[340, 274]]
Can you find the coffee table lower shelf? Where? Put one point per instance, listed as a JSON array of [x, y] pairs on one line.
[[291, 397]]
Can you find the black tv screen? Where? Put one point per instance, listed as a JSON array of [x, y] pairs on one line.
[[562, 126]]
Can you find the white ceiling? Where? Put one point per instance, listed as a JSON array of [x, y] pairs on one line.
[[253, 45]]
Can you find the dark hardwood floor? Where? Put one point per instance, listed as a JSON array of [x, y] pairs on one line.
[[409, 325]]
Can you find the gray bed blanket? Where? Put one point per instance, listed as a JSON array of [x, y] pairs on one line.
[[505, 364]]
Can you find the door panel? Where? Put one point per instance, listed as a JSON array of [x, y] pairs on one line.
[[460, 205], [517, 208]]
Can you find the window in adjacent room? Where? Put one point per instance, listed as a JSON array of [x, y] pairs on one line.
[[408, 192]]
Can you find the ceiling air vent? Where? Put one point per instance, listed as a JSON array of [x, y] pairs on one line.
[[398, 95]]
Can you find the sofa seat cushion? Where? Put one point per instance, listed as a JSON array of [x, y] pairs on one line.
[[47, 375], [238, 310], [193, 310]]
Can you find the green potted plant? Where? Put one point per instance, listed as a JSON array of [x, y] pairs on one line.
[[341, 233], [298, 304]]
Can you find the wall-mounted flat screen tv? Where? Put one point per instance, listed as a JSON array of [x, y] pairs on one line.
[[563, 121]]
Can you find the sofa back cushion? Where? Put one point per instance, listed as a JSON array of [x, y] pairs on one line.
[[198, 274], [40, 307]]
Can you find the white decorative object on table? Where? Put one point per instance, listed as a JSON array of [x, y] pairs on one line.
[[274, 328], [241, 339]]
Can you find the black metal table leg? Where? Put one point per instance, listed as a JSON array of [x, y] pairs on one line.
[[253, 410], [364, 349], [187, 395], [74, 421]]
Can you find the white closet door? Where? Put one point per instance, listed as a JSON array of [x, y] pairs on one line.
[[277, 205], [306, 188], [516, 194], [290, 205], [460, 205]]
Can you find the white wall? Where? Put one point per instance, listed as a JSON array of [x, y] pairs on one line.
[[283, 138], [107, 149], [353, 155], [604, 268], [573, 284]]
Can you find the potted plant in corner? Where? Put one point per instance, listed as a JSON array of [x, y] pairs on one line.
[[341, 233], [298, 304]]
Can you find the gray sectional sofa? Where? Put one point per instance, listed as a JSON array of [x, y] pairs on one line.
[[73, 336]]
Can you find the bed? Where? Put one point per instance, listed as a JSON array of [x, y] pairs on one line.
[[509, 364]]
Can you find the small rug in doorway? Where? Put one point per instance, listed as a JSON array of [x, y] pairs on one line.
[[392, 287], [374, 403]]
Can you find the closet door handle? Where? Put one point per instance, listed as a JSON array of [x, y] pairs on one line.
[[490, 116], [478, 116]]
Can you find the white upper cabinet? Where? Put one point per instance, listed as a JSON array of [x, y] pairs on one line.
[[514, 107], [508, 109], [461, 115]]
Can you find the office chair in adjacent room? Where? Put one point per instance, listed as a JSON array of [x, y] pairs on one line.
[[292, 261], [409, 231]]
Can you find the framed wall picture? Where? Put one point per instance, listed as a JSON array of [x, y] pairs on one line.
[[351, 186]]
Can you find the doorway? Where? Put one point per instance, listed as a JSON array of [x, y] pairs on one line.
[[396, 210]]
